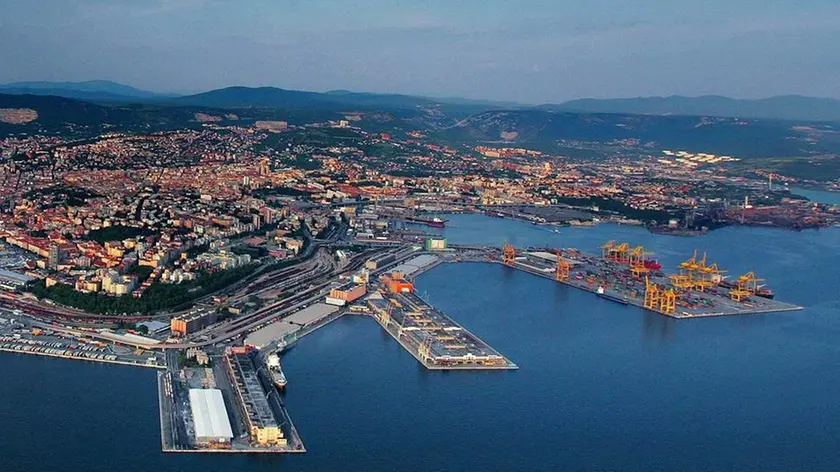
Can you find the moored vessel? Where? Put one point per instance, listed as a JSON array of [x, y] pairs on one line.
[[608, 296], [276, 372]]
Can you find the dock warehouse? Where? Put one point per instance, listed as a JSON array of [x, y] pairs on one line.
[[210, 416]]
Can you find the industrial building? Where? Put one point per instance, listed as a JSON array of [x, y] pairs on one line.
[[12, 280], [154, 327], [347, 294], [380, 262], [210, 417], [395, 282], [251, 397], [435, 244], [193, 321]]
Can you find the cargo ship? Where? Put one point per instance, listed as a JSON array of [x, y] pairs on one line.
[[430, 222], [765, 293], [760, 292], [608, 296], [276, 372], [652, 264]]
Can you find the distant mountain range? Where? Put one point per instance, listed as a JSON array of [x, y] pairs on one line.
[[790, 107], [567, 132], [272, 97], [93, 90], [59, 115]]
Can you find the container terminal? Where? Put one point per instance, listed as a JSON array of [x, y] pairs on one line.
[[629, 275]]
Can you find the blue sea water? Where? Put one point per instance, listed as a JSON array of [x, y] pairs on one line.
[[600, 386], [831, 198]]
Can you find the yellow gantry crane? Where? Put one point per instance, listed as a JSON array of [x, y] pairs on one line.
[[739, 295], [659, 299], [749, 282], [668, 302], [638, 255], [747, 286], [607, 248], [615, 252], [621, 253], [682, 281], [714, 274], [701, 278], [652, 295], [687, 267], [637, 258], [710, 276], [385, 316]]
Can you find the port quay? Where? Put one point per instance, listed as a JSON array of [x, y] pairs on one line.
[[225, 397]]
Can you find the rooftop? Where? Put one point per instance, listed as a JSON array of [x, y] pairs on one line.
[[209, 414]]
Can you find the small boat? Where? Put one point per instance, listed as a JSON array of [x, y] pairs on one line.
[[286, 345]]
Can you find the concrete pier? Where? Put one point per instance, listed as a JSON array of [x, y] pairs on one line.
[[590, 272], [434, 339]]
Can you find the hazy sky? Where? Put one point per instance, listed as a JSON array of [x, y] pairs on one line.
[[530, 50]]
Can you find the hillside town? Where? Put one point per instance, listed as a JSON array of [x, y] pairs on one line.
[[122, 214]]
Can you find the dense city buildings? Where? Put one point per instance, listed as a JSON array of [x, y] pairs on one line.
[[125, 215]]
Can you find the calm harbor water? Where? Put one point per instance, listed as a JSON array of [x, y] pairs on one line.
[[831, 198], [600, 386]]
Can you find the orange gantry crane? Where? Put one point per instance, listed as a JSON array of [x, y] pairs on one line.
[[508, 254], [563, 268]]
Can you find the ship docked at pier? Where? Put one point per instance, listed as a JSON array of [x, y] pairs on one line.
[[430, 222], [275, 371]]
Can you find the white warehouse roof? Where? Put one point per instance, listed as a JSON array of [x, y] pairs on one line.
[[415, 264], [209, 415], [312, 313], [282, 328]]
